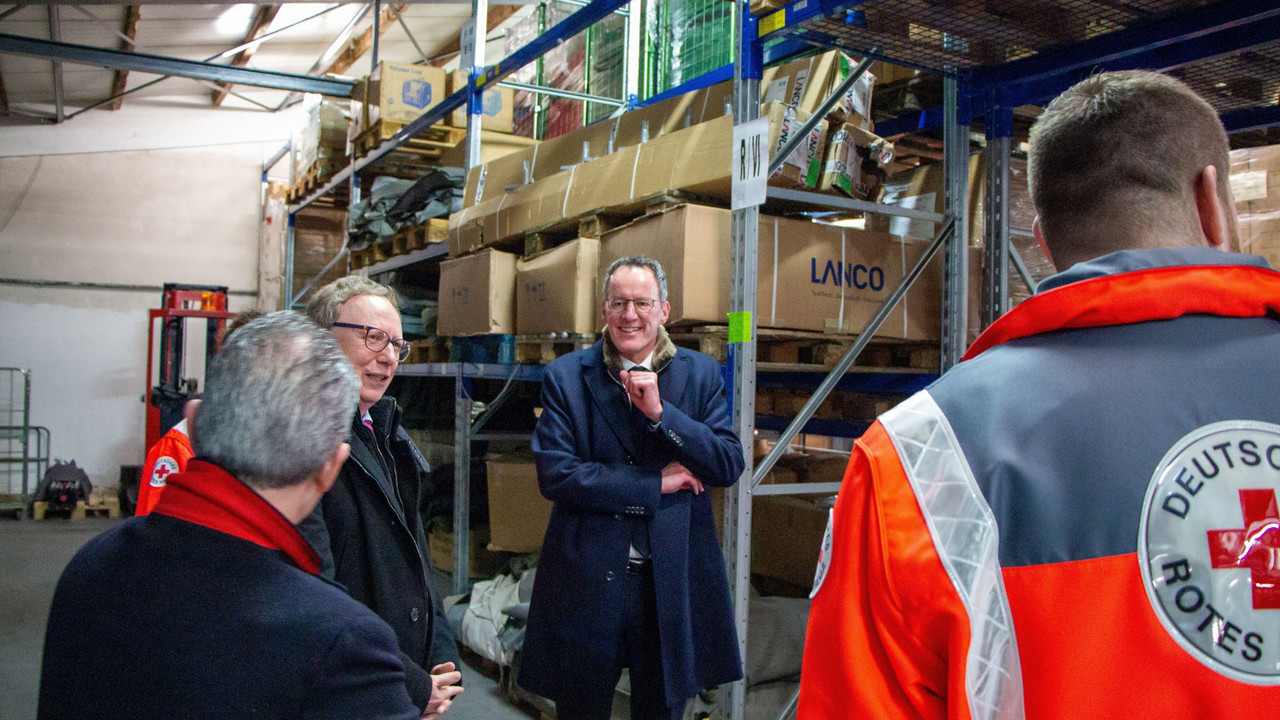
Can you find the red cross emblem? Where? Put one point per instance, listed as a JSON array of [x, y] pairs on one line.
[[162, 471], [1255, 547]]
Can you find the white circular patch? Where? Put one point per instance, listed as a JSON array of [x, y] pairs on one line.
[[165, 466], [1209, 548]]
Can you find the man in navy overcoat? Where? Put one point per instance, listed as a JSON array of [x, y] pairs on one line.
[[633, 431]]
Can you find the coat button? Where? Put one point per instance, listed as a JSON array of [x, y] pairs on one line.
[[608, 575], [414, 614], [617, 517]]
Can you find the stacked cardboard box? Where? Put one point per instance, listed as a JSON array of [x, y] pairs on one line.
[[811, 276], [854, 163], [518, 513], [556, 290], [476, 295], [322, 139], [496, 106], [1255, 182]]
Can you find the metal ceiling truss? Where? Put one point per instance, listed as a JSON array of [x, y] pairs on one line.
[[176, 67]]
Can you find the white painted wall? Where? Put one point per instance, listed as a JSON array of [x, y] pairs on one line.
[[142, 197]]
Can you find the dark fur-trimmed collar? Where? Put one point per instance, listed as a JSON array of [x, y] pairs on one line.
[[663, 351]]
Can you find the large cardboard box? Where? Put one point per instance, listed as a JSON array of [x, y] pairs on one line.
[[477, 294], [496, 105], [1255, 179], [921, 189], [482, 562], [556, 290], [1260, 235], [802, 84], [518, 513], [400, 93], [853, 163], [786, 538], [811, 276]]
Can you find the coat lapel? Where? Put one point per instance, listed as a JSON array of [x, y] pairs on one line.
[[672, 378], [610, 399]]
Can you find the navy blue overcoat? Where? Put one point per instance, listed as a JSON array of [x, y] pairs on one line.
[[601, 462]]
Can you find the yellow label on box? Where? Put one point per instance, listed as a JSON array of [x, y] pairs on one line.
[[772, 22]]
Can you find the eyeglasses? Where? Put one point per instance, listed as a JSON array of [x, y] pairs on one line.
[[618, 305], [377, 339]]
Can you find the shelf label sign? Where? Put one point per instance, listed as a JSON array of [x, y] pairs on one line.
[[750, 163], [771, 22]]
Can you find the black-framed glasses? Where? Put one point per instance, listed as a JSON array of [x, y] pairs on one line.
[[618, 305], [376, 339]]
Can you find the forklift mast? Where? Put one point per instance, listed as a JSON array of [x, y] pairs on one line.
[[178, 303]]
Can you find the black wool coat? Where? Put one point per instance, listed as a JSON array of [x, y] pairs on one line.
[[369, 534]]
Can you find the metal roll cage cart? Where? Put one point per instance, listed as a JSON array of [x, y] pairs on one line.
[[1038, 57]]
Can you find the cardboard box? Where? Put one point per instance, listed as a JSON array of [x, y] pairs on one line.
[[786, 538], [853, 163], [400, 93], [811, 276], [497, 105], [556, 291], [803, 84], [1260, 235], [477, 294], [921, 189], [1255, 179], [803, 167], [518, 513], [482, 562]]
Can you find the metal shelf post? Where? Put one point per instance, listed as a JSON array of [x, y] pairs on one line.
[[955, 147], [995, 280], [747, 71]]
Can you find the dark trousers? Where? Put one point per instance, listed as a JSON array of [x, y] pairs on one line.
[[638, 650]]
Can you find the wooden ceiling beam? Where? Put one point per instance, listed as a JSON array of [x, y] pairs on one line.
[[261, 21], [121, 77], [497, 15], [363, 44]]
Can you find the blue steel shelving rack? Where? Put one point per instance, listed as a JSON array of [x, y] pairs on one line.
[[991, 62]]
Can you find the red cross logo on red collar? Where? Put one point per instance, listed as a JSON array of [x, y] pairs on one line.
[[162, 471], [1255, 547]]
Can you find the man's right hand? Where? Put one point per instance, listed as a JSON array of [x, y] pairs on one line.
[[676, 477], [444, 686]]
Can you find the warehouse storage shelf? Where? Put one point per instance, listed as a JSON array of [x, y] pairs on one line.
[[435, 250], [993, 59]]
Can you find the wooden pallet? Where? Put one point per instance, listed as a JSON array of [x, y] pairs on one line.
[[106, 507], [804, 348], [542, 349], [435, 230], [428, 144]]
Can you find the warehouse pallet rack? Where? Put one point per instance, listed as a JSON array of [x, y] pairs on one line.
[[993, 57]]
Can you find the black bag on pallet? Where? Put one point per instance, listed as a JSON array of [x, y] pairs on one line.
[[63, 485]]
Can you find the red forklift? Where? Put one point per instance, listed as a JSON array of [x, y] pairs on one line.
[[170, 392]]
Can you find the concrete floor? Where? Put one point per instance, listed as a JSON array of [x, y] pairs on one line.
[[32, 556]]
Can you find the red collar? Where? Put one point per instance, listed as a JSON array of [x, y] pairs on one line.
[[1155, 294], [207, 495]]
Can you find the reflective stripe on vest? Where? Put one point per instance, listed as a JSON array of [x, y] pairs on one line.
[[966, 538]]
